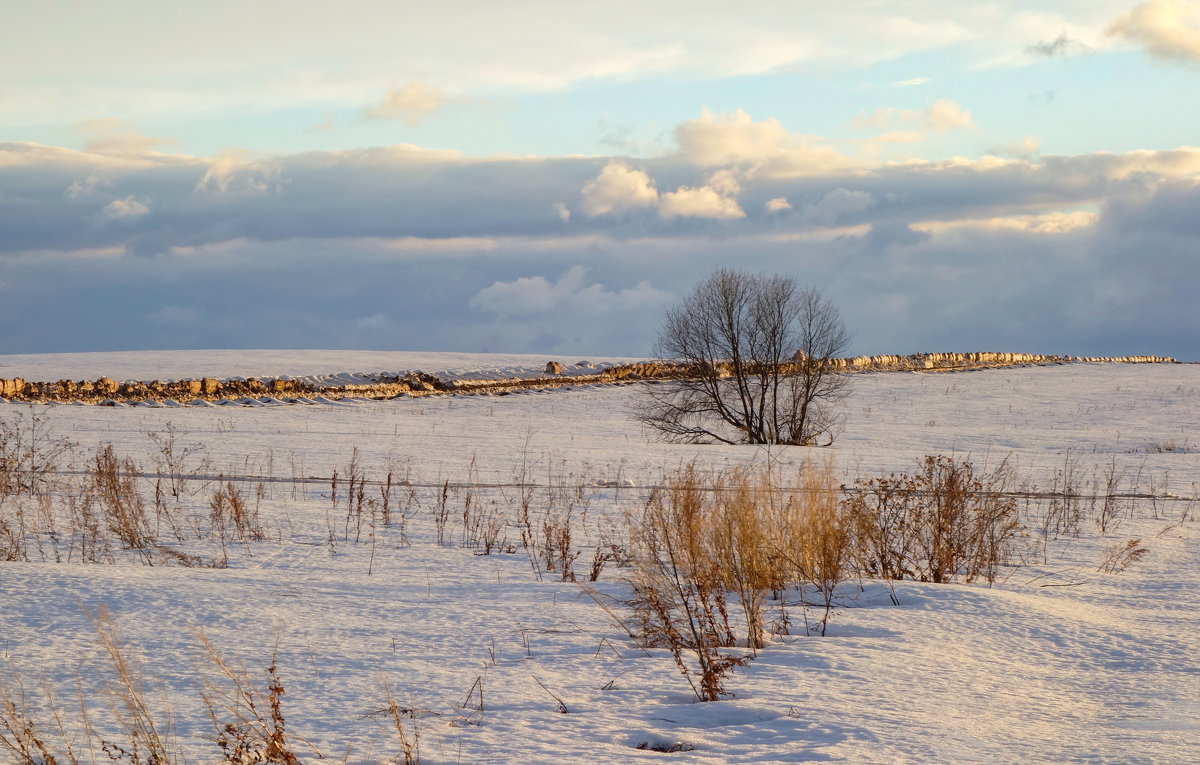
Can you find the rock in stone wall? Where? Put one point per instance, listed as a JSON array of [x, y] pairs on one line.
[[11, 388]]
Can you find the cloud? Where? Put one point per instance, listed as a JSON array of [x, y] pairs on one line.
[[943, 115], [114, 136], [731, 139], [538, 295], [411, 105], [913, 82], [233, 170], [327, 124], [778, 204], [836, 204], [701, 202], [1060, 46], [128, 208], [1043, 98], [1048, 223], [618, 188], [766, 147], [1026, 148], [86, 186], [1168, 29], [463, 254], [405, 202], [268, 62], [528, 294]]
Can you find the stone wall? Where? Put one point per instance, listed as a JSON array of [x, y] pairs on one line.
[[105, 390]]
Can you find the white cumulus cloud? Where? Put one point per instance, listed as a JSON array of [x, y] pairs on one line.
[[763, 148], [617, 188], [1168, 29], [946, 114], [699, 202]]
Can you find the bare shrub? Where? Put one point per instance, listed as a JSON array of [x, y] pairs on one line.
[[1060, 511], [30, 453], [116, 491], [558, 548], [12, 543], [174, 459], [1066, 503], [566, 507], [484, 526], [943, 523]]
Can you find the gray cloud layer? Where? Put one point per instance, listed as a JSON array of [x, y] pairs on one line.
[[402, 247]]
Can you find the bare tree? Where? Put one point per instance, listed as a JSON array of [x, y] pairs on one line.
[[759, 352]]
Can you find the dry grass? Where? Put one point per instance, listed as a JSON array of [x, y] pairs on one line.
[[1117, 558], [701, 549], [233, 517], [136, 732], [23, 737], [248, 719], [145, 735], [408, 734], [116, 491], [680, 597]]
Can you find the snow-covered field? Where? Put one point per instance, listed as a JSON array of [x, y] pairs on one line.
[[1059, 662], [314, 366]]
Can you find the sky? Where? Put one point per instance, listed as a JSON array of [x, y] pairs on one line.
[[551, 177]]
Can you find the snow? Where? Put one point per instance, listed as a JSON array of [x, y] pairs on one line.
[[1056, 663], [314, 366]]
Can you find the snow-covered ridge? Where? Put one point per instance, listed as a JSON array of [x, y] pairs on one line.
[[314, 365]]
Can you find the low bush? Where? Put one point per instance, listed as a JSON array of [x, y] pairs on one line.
[[700, 550], [942, 523]]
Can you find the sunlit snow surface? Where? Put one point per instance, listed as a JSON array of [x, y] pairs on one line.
[[317, 366], [1106, 668]]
